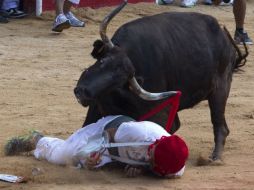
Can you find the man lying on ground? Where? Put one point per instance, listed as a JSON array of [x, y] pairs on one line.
[[163, 154]]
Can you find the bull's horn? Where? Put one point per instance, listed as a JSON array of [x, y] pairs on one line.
[[105, 22], [137, 89]]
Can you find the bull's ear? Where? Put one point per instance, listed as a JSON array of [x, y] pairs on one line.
[[99, 49]]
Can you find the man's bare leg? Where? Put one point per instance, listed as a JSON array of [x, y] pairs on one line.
[[75, 22], [59, 6], [239, 10], [67, 6]]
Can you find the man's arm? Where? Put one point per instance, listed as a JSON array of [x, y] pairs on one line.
[[93, 161]]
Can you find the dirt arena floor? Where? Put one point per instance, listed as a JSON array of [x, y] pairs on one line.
[[39, 69]]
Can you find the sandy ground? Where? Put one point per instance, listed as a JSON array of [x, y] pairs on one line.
[[38, 71]]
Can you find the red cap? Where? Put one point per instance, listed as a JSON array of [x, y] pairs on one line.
[[170, 155]]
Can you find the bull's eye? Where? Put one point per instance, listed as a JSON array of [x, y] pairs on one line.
[[101, 61], [85, 70], [106, 60]]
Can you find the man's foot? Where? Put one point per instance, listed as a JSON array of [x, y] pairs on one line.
[[223, 3], [242, 37], [3, 20], [227, 2], [15, 13], [188, 3], [74, 21], [164, 2], [208, 2], [20, 144], [61, 23]]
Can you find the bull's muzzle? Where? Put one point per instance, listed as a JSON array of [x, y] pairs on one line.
[[83, 95]]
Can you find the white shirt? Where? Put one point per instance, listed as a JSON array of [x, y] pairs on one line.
[[144, 131]]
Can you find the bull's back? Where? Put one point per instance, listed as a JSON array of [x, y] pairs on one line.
[[181, 50], [170, 35]]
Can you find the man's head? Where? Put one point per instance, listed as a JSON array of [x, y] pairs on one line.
[[168, 155]]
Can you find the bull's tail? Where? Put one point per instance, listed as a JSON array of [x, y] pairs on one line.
[[240, 57]]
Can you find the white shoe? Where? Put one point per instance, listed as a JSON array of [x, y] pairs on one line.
[[188, 3], [227, 4], [74, 21], [61, 23], [164, 2]]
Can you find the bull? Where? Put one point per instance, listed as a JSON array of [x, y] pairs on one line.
[[188, 52]]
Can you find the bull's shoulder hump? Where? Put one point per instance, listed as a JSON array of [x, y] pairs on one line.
[[193, 16], [168, 22], [174, 17]]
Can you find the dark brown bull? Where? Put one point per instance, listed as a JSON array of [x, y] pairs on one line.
[[188, 52]]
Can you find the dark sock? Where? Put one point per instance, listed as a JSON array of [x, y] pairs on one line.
[[240, 30]]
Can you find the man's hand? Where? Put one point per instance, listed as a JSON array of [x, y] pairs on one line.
[[132, 171], [93, 160]]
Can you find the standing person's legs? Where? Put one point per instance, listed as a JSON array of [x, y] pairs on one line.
[[64, 17], [69, 15], [67, 6], [11, 9], [61, 22], [188, 3], [10, 4], [239, 10], [59, 6], [3, 15]]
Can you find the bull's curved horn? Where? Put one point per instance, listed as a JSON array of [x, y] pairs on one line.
[[137, 89], [105, 22]]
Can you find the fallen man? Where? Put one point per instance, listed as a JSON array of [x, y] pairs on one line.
[[162, 153]]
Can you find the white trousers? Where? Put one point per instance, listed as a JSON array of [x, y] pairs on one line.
[[62, 152], [10, 4], [74, 1]]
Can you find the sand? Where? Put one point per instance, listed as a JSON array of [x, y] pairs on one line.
[[39, 70]]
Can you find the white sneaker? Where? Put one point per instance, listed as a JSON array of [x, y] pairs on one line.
[[227, 4], [61, 23], [209, 2], [188, 3], [74, 21], [164, 2]]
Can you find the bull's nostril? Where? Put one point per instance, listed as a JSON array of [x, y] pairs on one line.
[[81, 92], [77, 91]]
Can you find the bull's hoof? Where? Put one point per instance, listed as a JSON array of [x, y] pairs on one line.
[[204, 161]]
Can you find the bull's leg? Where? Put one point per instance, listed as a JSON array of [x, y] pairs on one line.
[[93, 115], [217, 103]]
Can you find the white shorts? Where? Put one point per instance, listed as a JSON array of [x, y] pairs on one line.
[[74, 1]]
